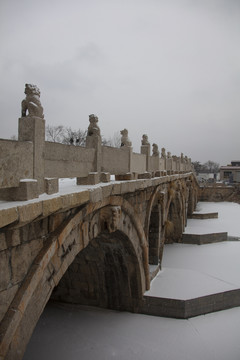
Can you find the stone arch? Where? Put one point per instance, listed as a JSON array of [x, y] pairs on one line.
[[103, 274], [59, 251], [175, 218], [193, 196], [154, 226]]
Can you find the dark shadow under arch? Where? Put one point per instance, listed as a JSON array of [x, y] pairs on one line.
[[175, 221], [103, 274], [154, 234]]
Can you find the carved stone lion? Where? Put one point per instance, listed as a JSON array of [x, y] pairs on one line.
[[124, 139], [32, 102], [155, 150], [93, 128], [145, 140], [110, 216], [163, 153]]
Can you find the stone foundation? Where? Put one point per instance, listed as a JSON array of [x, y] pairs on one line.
[[201, 239], [184, 309]]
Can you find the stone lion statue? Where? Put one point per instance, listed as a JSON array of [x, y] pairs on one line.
[[163, 153], [145, 140], [155, 150], [93, 128], [124, 139], [32, 102]]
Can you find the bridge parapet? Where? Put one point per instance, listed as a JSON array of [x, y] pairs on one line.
[[32, 158]]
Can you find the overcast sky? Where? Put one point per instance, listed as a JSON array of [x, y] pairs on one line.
[[167, 68]]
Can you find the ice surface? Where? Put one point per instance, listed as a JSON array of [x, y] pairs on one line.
[[228, 217]]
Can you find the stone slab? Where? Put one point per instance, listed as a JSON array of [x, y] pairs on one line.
[[184, 309], [201, 239], [202, 216]]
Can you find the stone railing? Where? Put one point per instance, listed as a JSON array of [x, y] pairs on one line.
[[32, 166]]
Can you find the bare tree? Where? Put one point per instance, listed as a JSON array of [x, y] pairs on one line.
[[65, 135], [114, 141], [54, 133], [207, 167]]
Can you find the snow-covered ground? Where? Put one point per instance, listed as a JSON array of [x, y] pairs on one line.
[[72, 332], [228, 217], [190, 271]]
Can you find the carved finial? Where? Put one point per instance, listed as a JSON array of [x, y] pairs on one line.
[[93, 128], [124, 139], [32, 102], [169, 156], [145, 140], [155, 150]]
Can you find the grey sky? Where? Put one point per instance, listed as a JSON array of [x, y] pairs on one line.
[[170, 69]]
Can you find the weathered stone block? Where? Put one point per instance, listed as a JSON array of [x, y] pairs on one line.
[[92, 179], [75, 199], [21, 258], [107, 191], [3, 242], [116, 190], [145, 175], [28, 189], [8, 216], [13, 238], [51, 185], [52, 205], [127, 187], [105, 177], [30, 211], [124, 177], [96, 195], [6, 297], [5, 273]]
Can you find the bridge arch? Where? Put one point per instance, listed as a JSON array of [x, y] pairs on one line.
[[105, 273], [154, 225], [175, 212], [109, 221]]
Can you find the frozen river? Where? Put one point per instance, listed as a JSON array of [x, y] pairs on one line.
[[74, 332]]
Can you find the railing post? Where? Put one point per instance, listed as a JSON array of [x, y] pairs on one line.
[[94, 140], [31, 127]]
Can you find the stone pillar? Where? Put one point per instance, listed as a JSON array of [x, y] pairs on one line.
[[146, 150], [129, 149], [32, 128], [94, 140]]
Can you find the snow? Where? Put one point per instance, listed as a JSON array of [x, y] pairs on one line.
[[190, 271], [73, 332], [228, 215], [66, 186]]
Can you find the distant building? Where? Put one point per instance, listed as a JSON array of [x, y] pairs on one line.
[[231, 173]]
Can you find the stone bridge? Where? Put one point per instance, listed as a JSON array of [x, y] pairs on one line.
[[99, 244], [90, 247]]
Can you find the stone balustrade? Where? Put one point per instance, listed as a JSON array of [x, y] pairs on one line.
[[32, 158]]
